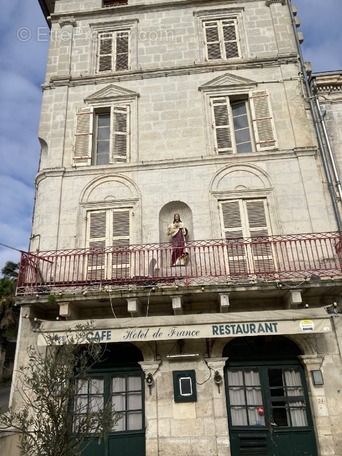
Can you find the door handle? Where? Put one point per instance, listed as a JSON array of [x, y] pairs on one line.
[[273, 424]]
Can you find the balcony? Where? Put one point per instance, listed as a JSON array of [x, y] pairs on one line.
[[212, 262]]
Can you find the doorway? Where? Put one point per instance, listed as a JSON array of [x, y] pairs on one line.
[[119, 381], [267, 399]]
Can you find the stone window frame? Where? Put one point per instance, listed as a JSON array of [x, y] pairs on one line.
[[120, 153], [234, 14], [241, 94], [129, 26], [85, 126]]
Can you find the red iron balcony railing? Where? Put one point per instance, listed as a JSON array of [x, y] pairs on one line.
[[213, 261]]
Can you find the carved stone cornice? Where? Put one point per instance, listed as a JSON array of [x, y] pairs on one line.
[[63, 22], [329, 83]]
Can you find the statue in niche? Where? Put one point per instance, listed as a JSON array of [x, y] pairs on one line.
[[178, 233]]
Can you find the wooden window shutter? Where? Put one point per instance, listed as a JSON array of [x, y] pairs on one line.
[[105, 51], [212, 40], [83, 135], [260, 248], [122, 51], [257, 217], [120, 128], [230, 38], [262, 121], [97, 225], [121, 225], [232, 219], [223, 140], [233, 229], [121, 242], [97, 229]]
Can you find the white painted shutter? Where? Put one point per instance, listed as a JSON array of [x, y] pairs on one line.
[[261, 248], [264, 130], [121, 242], [223, 139], [97, 223], [230, 38], [233, 230], [83, 136], [105, 51], [212, 40], [122, 50], [121, 133]]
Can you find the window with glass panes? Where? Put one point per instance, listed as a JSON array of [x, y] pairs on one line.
[[112, 135], [103, 136], [232, 125], [127, 400], [89, 398], [288, 406], [245, 397], [266, 393], [123, 390], [242, 124]]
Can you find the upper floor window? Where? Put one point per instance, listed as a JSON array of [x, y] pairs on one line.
[[112, 135], [242, 123], [103, 135], [108, 235], [113, 51], [221, 39], [110, 3], [247, 219], [106, 127]]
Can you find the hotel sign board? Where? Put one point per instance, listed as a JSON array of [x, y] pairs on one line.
[[213, 329]]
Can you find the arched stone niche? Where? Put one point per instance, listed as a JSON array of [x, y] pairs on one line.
[[166, 215]]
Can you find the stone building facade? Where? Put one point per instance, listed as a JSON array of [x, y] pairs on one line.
[[224, 327]]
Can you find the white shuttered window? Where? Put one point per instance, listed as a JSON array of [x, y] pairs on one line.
[[103, 138], [108, 240], [220, 38], [246, 229], [242, 124], [113, 51]]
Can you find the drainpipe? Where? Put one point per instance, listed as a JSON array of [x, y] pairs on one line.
[[327, 139], [317, 127]]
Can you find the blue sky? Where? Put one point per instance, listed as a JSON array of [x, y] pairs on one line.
[[23, 54]]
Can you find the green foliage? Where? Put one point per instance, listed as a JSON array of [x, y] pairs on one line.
[[10, 270], [50, 421], [8, 312]]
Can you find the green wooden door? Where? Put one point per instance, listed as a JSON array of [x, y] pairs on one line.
[[125, 391], [268, 409]]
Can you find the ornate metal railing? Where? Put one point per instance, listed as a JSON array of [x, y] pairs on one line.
[[218, 261]]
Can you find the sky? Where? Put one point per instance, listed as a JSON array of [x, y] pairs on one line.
[[23, 56]]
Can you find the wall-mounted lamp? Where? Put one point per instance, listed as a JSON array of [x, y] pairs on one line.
[[149, 381], [317, 377], [218, 379]]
